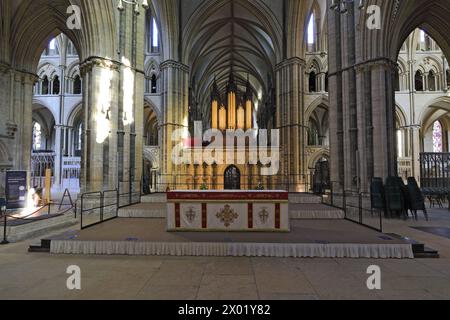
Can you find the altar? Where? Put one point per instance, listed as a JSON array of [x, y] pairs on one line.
[[261, 211]]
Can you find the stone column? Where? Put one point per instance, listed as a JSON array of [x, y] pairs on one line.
[[290, 120], [444, 74], [21, 110], [414, 130], [100, 97], [365, 127], [60, 139], [175, 94], [415, 142], [335, 98], [383, 114]]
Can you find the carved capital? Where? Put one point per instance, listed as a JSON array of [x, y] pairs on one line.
[[172, 64], [87, 65], [290, 62]]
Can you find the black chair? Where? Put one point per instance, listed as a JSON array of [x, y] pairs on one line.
[[417, 199], [405, 195], [395, 199]]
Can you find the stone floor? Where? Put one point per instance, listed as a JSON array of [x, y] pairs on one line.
[[42, 276]]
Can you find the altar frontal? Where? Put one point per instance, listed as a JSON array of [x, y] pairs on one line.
[[218, 211]]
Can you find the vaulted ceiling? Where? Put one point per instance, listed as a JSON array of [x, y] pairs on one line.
[[243, 37], [27, 26]]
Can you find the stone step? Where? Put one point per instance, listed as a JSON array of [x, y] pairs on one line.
[[43, 247], [304, 198], [312, 211], [38, 227], [144, 210], [154, 198], [419, 249]]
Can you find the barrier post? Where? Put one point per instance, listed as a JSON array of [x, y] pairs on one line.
[[5, 240]]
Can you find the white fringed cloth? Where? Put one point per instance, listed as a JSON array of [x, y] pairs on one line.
[[134, 248]]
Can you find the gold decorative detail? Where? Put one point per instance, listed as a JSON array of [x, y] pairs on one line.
[[227, 216], [264, 215]]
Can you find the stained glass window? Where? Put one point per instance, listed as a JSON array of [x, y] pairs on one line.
[[437, 137]]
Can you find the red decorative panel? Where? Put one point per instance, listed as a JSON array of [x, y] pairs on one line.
[[277, 216], [204, 216], [177, 215], [250, 215]]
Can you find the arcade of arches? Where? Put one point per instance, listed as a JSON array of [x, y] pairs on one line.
[[98, 105]]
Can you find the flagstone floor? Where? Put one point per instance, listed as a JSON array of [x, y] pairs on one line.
[[42, 276]]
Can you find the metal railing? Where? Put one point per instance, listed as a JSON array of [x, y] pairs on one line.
[[101, 206], [95, 212], [291, 183], [357, 207], [28, 218]]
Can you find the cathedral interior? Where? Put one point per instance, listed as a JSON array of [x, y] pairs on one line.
[[98, 104], [278, 129]]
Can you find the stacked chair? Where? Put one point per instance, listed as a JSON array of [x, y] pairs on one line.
[[396, 199], [417, 199]]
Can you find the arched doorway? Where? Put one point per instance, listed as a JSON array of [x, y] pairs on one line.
[[232, 178], [321, 176], [152, 151]]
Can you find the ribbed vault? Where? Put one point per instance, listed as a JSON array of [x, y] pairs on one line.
[[34, 23], [399, 19], [225, 35]]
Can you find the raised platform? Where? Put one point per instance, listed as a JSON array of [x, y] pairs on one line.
[[302, 206], [307, 239]]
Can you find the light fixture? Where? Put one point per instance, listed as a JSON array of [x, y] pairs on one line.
[[135, 3], [342, 6]]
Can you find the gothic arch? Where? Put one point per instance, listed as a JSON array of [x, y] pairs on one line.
[[429, 63], [319, 154], [402, 64], [318, 27], [75, 115], [152, 67], [297, 13], [42, 103], [30, 36], [399, 20], [433, 111], [154, 109], [314, 63], [73, 69], [152, 70], [45, 117], [166, 15], [401, 117], [320, 101], [46, 69]]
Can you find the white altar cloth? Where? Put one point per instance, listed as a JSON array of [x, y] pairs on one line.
[[264, 211]]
